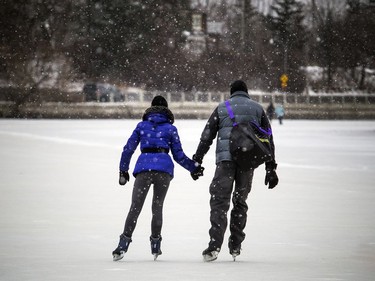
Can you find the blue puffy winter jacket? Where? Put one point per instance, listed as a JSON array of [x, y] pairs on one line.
[[155, 132]]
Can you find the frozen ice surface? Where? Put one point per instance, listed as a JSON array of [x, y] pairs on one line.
[[62, 209]]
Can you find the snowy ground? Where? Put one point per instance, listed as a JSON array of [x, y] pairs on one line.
[[62, 209]]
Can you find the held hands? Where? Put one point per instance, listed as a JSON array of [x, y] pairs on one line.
[[198, 172], [271, 176], [124, 177], [197, 158]]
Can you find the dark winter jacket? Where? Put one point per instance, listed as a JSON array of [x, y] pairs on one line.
[[156, 136], [245, 110]]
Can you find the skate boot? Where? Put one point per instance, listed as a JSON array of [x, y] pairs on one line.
[[155, 246], [122, 247], [234, 250], [210, 254]]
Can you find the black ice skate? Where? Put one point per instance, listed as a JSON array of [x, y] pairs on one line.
[[234, 250], [122, 247], [210, 254], [155, 246]]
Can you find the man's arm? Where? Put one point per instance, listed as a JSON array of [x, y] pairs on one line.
[[271, 178], [265, 124], [207, 137]]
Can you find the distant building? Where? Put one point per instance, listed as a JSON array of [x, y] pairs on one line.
[[198, 22], [204, 34], [214, 27], [215, 35], [196, 40]]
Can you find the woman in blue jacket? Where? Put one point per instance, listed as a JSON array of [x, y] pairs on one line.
[[157, 136]]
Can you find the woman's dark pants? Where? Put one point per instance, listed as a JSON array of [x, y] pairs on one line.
[[141, 187]]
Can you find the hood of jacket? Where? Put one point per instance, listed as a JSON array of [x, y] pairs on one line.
[[158, 114]]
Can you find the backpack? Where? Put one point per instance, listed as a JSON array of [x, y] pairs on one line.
[[249, 144]]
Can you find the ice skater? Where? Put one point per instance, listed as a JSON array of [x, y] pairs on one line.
[[280, 113], [228, 173], [270, 111], [157, 136]]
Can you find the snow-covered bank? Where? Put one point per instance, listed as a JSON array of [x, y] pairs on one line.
[[314, 109]]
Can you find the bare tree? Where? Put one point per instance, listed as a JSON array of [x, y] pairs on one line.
[[33, 40]]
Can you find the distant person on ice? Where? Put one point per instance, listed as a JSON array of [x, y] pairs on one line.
[[157, 136], [280, 112], [270, 111], [228, 172]]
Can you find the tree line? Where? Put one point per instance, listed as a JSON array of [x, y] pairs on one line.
[[144, 43]]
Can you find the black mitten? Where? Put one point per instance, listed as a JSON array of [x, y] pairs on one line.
[[124, 177], [271, 176], [198, 172]]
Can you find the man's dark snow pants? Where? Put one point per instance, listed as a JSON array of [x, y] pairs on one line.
[[221, 189]]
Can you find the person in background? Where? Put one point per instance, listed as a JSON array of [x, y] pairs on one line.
[[270, 111], [280, 112], [156, 135], [228, 173]]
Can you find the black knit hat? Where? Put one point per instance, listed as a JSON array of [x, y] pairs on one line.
[[159, 101], [238, 85]]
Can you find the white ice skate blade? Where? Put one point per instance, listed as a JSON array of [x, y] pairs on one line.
[[234, 256], [155, 256], [117, 257], [208, 258]]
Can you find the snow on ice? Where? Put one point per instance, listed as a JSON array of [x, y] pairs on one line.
[[62, 209]]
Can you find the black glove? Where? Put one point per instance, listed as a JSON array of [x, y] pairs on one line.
[[271, 176], [124, 178], [198, 159], [198, 172]]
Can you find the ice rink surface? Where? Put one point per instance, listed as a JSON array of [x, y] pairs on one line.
[[62, 209]]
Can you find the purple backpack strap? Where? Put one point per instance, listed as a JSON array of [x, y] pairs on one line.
[[266, 133], [230, 112]]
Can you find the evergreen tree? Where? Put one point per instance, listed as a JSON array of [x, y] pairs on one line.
[[33, 44], [358, 40], [134, 40], [289, 36]]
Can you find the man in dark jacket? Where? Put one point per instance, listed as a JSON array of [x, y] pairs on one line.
[[227, 172], [156, 135]]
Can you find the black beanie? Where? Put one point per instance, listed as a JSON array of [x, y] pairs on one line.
[[238, 85], [159, 101]]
